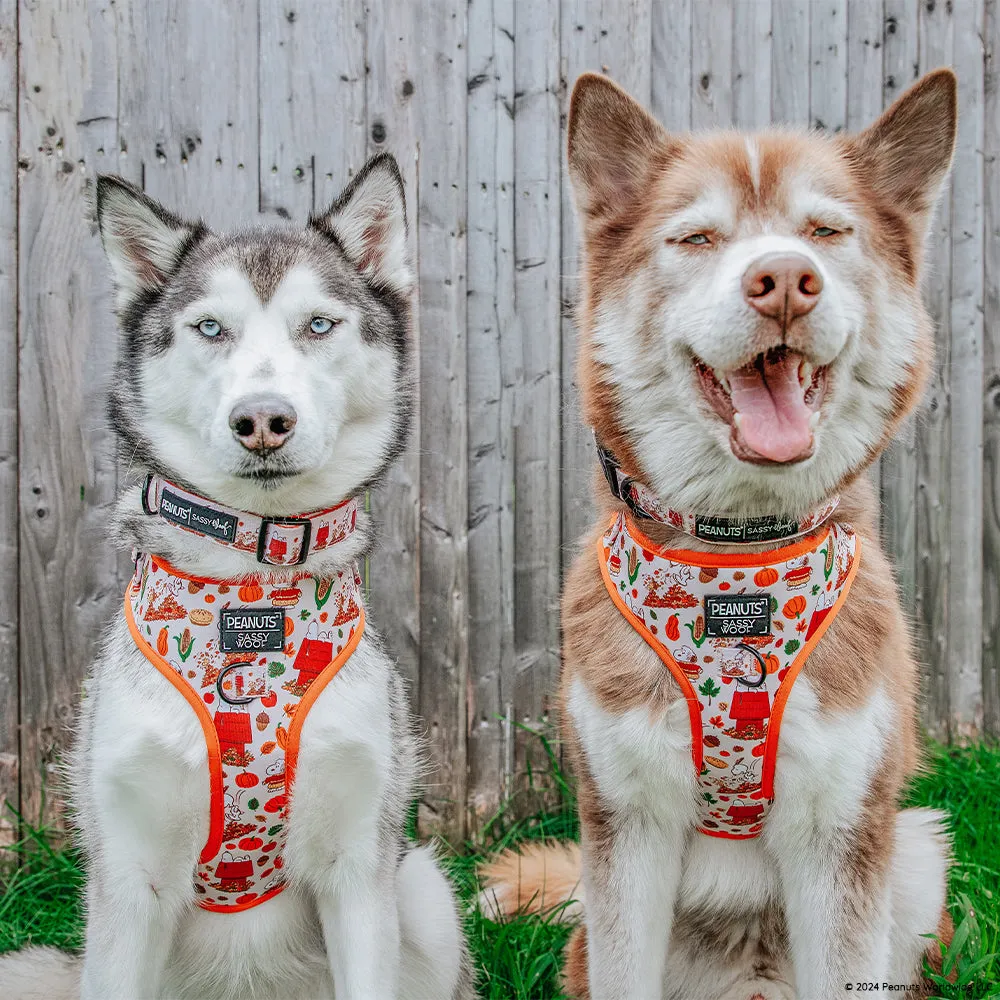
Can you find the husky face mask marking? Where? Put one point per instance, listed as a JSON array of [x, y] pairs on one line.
[[269, 365], [752, 330]]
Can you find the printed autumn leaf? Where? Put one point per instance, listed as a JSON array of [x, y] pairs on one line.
[[716, 721], [792, 645], [709, 689]]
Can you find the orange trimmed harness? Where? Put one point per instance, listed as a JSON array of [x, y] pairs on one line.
[[734, 629], [250, 659]]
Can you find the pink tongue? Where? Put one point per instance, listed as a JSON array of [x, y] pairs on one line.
[[774, 418]]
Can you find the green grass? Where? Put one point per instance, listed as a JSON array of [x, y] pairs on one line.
[[520, 958]]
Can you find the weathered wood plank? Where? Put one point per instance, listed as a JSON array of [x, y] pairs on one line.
[[195, 136], [605, 37], [933, 558], [68, 577], [863, 70], [494, 370], [790, 62], [752, 63], [899, 463], [394, 571], [439, 35], [537, 163], [964, 455], [9, 708], [711, 64], [991, 379], [828, 81], [312, 123], [670, 63]]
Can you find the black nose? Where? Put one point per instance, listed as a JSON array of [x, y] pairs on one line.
[[262, 423]]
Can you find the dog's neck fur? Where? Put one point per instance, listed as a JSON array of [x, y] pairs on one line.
[[199, 555]]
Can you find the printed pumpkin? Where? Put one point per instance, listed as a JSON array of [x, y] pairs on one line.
[[251, 592], [794, 607], [765, 577]]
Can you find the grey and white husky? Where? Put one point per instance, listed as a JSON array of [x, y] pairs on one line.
[[266, 373]]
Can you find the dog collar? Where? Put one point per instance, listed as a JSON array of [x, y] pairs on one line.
[[718, 529], [276, 541]]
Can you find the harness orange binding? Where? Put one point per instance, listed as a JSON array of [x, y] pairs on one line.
[[734, 630], [251, 660]]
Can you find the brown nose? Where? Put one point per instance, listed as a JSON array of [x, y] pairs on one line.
[[262, 424], [782, 286]]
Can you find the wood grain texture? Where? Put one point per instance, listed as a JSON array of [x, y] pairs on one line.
[[962, 659], [711, 64], [9, 707], [191, 128], [439, 35], [312, 125], [494, 372], [393, 66], [537, 269], [933, 511], [752, 63], [607, 36], [68, 109], [828, 77], [790, 58], [899, 463], [670, 62], [991, 375]]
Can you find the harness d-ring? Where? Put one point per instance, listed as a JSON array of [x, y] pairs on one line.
[[239, 699], [760, 660]]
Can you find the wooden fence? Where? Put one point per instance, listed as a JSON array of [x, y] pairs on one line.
[[230, 109]]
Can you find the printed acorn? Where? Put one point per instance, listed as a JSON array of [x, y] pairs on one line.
[[262, 720], [707, 574], [184, 644]]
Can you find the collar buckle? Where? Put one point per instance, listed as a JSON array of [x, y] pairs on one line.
[[283, 522]]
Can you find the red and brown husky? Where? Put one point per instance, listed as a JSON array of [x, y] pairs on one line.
[[751, 336]]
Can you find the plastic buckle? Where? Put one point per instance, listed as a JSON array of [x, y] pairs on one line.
[[145, 495], [284, 522]]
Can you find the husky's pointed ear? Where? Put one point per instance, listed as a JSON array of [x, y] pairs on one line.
[[369, 222], [906, 154], [143, 241], [613, 143]]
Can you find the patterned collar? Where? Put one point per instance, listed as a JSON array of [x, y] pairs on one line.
[[276, 541], [717, 529]]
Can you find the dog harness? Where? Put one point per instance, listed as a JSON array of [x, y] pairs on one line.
[[734, 629], [250, 659]]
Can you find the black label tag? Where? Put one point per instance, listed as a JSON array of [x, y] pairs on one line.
[[251, 630], [736, 615], [188, 514], [756, 529]]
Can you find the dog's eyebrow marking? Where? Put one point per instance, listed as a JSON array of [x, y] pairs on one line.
[[753, 156]]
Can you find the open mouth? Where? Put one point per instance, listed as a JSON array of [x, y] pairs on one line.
[[771, 405]]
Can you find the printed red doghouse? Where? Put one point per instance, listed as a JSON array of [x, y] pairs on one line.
[[743, 813], [235, 732], [749, 710], [312, 659], [233, 873]]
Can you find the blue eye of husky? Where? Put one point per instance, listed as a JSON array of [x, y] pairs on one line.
[[210, 327], [321, 325], [824, 231], [697, 239]]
